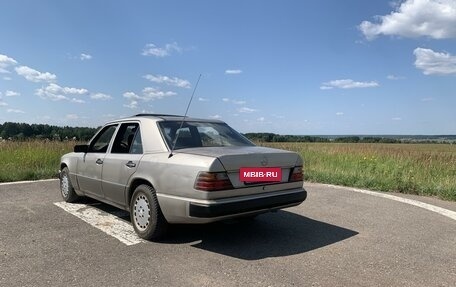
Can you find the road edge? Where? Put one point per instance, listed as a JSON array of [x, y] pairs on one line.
[[28, 181], [430, 207]]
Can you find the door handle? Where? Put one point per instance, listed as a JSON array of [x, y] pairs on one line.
[[130, 164], [99, 161]]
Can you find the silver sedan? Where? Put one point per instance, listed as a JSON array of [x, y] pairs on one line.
[[167, 169]]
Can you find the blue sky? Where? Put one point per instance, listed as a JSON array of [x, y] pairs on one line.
[[288, 67]]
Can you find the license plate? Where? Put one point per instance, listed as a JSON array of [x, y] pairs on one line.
[[260, 174]]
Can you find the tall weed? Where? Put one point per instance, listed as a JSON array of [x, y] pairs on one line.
[[424, 169], [31, 160]]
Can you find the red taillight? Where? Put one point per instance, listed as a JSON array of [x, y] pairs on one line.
[[212, 181], [297, 174]]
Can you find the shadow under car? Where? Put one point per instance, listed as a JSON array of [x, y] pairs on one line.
[[275, 234]]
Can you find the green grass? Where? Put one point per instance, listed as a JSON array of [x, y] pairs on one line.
[[424, 169], [31, 160]]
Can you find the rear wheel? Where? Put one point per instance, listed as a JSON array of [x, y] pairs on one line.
[[66, 188], [145, 213]]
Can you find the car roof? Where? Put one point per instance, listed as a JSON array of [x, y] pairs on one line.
[[166, 117]]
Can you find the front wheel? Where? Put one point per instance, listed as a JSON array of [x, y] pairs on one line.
[[145, 213], [66, 188]]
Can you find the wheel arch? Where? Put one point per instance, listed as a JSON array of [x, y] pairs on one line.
[[133, 185], [63, 165]]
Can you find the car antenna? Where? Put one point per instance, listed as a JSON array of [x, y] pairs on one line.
[[183, 119]]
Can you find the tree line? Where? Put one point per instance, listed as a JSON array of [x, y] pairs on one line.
[[21, 131], [271, 137]]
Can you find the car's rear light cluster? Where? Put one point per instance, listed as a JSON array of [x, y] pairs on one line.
[[213, 181], [297, 174]]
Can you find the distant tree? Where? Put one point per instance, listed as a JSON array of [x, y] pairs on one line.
[[40, 131], [9, 130], [351, 139]]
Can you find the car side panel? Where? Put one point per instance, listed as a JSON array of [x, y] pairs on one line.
[[89, 173], [175, 175], [116, 174]]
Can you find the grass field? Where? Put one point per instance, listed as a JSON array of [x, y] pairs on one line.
[[31, 160], [425, 169]]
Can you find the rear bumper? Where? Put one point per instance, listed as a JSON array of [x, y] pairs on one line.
[[222, 209]]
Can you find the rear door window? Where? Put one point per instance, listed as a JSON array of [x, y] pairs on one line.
[[128, 139]]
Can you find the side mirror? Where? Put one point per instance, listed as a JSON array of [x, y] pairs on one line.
[[81, 148]]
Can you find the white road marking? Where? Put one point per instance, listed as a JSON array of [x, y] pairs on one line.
[[104, 221], [442, 211], [28, 181]]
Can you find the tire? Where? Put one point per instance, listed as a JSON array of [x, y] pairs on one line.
[[145, 214], [66, 188]]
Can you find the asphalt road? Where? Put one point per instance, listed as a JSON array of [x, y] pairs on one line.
[[337, 237]]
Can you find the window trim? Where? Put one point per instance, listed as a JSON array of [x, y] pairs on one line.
[[120, 124], [98, 135]]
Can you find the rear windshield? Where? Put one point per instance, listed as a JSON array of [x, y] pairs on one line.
[[201, 134]]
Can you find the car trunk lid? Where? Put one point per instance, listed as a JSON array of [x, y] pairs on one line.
[[234, 158]]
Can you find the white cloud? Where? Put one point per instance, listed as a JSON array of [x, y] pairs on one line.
[[16, 111], [156, 94], [34, 75], [100, 96], [434, 63], [55, 92], [429, 99], [203, 99], [148, 94], [7, 78], [144, 111], [347, 84], [72, 117], [246, 110], [261, 119], [415, 18], [326, 88], [397, 119], [12, 94], [236, 102], [84, 57], [160, 52], [339, 114], [131, 95], [2, 103], [394, 77], [132, 105], [77, 101], [171, 81], [233, 72], [5, 62], [215, 117], [74, 91]]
